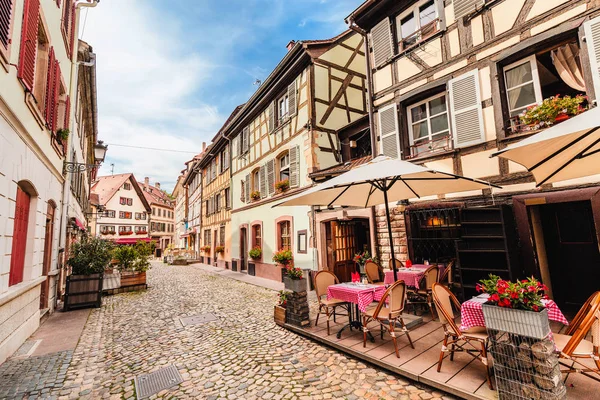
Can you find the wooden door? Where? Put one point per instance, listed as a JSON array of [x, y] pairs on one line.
[[243, 249], [48, 239], [343, 239], [19, 244]]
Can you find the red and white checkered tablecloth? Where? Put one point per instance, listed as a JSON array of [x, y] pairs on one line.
[[410, 276], [363, 295], [471, 313]]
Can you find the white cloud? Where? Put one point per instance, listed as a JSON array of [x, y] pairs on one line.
[[146, 84]]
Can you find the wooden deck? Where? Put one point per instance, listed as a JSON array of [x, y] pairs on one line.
[[464, 377]]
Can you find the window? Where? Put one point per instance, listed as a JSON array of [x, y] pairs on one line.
[[227, 198], [107, 230], [153, 211], [417, 24], [160, 212], [127, 186], [217, 202], [125, 230], [206, 202], [283, 108], [257, 236], [428, 124], [302, 236], [284, 167], [124, 215], [522, 85], [144, 216], [285, 235], [109, 214], [222, 235], [6, 11], [255, 181], [224, 159], [140, 229]]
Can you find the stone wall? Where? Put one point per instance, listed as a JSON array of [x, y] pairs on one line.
[[398, 234]]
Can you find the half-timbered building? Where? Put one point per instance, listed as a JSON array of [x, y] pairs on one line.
[[449, 80], [288, 129]]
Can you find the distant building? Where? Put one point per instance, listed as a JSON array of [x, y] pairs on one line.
[[180, 195], [162, 216]]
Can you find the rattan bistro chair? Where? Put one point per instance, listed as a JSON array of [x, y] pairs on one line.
[[324, 279], [396, 298], [446, 277], [399, 264], [372, 272], [422, 295], [475, 337], [574, 348]]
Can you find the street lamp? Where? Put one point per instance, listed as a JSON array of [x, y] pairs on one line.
[[99, 155]]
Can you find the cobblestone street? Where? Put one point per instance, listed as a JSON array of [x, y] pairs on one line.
[[242, 355]]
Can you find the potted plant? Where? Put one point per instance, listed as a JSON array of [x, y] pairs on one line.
[[255, 253], [62, 135], [220, 250], [206, 249], [88, 259], [279, 312], [553, 110], [255, 196], [282, 186], [361, 259], [133, 262]]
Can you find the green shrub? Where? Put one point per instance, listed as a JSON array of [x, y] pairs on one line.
[[90, 256], [255, 253]]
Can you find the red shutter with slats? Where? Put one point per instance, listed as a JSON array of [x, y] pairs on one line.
[[49, 87], [6, 7], [52, 96], [17, 257], [29, 34], [72, 31]]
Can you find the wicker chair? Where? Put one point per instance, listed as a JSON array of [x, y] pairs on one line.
[[446, 277], [422, 295], [396, 296], [322, 280], [454, 337], [372, 272], [573, 346], [399, 264]]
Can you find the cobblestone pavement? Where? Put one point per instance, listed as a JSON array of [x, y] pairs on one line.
[[242, 355]]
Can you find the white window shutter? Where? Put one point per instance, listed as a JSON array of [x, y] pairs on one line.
[[388, 131], [262, 173], [465, 109], [381, 36], [271, 177], [245, 139], [592, 37], [295, 166], [271, 116], [292, 104], [247, 188], [235, 146], [465, 7]]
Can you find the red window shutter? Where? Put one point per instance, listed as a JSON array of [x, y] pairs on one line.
[[73, 33], [52, 93], [6, 7], [49, 87], [26, 71], [17, 257], [66, 124]]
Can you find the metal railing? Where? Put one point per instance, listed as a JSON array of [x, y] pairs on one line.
[[418, 36], [430, 146]]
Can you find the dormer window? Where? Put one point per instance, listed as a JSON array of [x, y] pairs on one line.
[[417, 24]]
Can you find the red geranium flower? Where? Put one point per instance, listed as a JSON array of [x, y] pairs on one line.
[[535, 308], [494, 297]]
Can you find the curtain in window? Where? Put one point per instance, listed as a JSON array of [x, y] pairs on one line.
[[567, 63]]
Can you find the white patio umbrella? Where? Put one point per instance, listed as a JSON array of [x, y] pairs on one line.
[[380, 181], [566, 151]]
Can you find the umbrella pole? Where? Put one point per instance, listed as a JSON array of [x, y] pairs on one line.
[[389, 227]]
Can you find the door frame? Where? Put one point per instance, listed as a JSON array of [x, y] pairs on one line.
[[46, 266], [244, 248]]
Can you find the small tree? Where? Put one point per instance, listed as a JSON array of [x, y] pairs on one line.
[[90, 256], [126, 257]]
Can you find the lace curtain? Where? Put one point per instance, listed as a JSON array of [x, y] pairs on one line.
[[567, 63]]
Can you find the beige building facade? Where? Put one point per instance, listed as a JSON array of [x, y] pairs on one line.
[[162, 216]]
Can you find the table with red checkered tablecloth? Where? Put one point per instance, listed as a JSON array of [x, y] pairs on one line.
[[411, 276], [359, 294], [471, 312]]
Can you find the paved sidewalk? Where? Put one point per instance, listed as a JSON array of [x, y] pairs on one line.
[[242, 277]]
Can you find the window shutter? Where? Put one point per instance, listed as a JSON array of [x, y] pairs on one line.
[[271, 124], [245, 138], [592, 37], [381, 35], [6, 7], [465, 7], [295, 166], [292, 104], [66, 124], [465, 109], [26, 71], [388, 131], [52, 96], [247, 189], [271, 177], [263, 181], [48, 106], [73, 33]]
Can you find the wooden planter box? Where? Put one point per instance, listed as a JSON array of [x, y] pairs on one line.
[[279, 315], [133, 278], [180, 262], [83, 291]]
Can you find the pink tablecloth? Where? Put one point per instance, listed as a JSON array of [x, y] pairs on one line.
[[363, 295], [471, 313], [410, 276]]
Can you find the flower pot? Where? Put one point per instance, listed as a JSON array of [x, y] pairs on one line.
[[279, 315], [295, 285], [532, 324], [83, 291], [133, 278], [561, 117]]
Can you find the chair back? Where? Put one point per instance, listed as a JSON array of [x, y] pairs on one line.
[[324, 279], [372, 271], [590, 321], [446, 276], [396, 296], [581, 315], [444, 299], [395, 261], [429, 277]]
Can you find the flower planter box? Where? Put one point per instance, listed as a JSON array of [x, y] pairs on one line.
[[295, 285], [133, 279], [83, 291], [519, 322], [279, 315], [180, 262]]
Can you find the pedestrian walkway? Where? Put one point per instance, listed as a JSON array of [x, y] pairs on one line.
[[242, 277]]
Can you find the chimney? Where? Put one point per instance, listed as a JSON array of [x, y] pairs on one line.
[[290, 45], [203, 146], [146, 183], [157, 184]]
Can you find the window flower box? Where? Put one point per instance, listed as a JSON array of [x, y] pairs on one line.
[[126, 233], [255, 196]]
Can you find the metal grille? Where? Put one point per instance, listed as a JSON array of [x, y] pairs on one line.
[[433, 233], [198, 319], [148, 384]]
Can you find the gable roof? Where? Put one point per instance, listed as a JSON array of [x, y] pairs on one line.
[[105, 187], [156, 196]]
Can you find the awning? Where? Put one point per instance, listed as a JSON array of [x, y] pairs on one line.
[[132, 240], [80, 225]]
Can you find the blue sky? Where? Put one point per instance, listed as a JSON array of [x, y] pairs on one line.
[[169, 72]]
